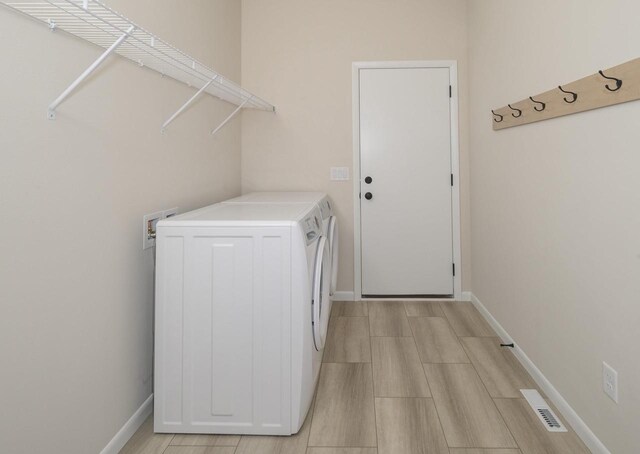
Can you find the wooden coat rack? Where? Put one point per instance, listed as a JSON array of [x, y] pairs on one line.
[[605, 88]]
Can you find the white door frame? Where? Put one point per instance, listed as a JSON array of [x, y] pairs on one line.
[[452, 65]]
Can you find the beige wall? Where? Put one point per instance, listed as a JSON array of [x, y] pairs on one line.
[[555, 219], [76, 287], [555, 225], [298, 55]]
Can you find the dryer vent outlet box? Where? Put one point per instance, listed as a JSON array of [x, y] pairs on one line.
[[149, 224]]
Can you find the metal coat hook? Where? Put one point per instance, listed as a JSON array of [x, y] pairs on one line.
[[542, 105], [497, 115], [575, 95], [618, 82], [515, 110]]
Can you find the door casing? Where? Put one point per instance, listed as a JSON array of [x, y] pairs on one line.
[[452, 65]]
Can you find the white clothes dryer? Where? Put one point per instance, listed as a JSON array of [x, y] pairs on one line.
[[329, 219], [242, 299]]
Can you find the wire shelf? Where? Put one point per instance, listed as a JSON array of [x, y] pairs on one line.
[[95, 22]]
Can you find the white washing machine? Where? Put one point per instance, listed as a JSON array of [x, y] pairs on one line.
[[241, 318], [329, 220]]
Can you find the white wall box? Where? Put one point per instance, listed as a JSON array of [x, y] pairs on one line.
[[95, 22]]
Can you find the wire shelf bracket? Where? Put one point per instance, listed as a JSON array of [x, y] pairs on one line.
[[51, 112], [187, 104], [98, 24], [228, 119]]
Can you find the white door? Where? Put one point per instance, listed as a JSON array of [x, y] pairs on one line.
[[405, 182]]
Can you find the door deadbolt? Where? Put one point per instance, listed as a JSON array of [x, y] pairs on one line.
[[368, 180], [368, 196]]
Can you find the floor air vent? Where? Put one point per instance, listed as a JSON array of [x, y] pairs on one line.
[[549, 419]]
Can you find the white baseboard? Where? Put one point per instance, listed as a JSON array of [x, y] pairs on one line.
[[466, 296], [129, 428], [343, 296], [578, 425]]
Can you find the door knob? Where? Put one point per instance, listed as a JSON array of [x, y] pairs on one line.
[[368, 180], [368, 196]]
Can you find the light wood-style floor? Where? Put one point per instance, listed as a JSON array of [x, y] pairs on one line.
[[401, 378]]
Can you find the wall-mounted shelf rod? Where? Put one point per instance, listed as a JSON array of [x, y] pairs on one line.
[[98, 24]]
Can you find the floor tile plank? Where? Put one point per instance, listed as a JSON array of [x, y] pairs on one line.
[[344, 413], [349, 309], [436, 340], [423, 309], [499, 370], [348, 341], [388, 318], [409, 426], [469, 417], [144, 441], [466, 320], [397, 370], [531, 435]]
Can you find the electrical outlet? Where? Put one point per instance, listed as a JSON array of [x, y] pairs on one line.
[[610, 381]]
